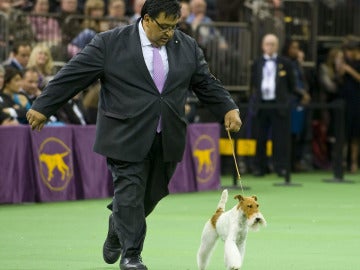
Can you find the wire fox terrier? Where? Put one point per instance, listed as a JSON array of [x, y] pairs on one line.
[[232, 226]]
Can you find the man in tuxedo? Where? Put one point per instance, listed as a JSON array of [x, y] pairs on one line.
[[145, 71], [273, 83]]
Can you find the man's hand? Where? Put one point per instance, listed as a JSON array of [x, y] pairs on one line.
[[232, 121], [36, 120]]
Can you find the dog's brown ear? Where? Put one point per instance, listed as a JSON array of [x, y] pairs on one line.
[[254, 197], [239, 197]]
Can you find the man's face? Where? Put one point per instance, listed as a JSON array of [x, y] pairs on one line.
[[69, 6], [270, 45], [5, 5], [14, 84], [41, 6], [198, 7], [30, 82], [159, 30], [23, 55], [117, 9], [294, 49]]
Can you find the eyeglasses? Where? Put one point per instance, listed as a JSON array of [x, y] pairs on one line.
[[164, 29]]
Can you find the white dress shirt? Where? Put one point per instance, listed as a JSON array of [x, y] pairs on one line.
[[268, 78], [147, 50]]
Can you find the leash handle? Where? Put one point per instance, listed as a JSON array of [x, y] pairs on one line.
[[234, 157]]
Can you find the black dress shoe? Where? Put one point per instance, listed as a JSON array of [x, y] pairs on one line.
[[111, 247], [132, 263]]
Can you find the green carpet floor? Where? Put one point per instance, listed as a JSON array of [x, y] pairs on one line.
[[314, 226]]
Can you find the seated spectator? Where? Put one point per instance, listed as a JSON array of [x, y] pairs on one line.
[[70, 26], [184, 14], [13, 103], [20, 55], [94, 11], [7, 120], [72, 112], [138, 4], [30, 84], [198, 13], [41, 59], [205, 34], [19, 25], [46, 28], [116, 12]]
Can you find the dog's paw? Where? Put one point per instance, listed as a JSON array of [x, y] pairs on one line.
[[235, 267]]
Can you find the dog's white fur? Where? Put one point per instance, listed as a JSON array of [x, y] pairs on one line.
[[232, 227]]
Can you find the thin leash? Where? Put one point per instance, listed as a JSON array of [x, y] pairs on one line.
[[236, 165]]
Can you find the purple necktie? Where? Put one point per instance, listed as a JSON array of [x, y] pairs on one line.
[[159, 76], [159, 71]]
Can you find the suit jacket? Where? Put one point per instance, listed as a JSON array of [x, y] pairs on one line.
[[284, 82], [130, 104], [14, 65]]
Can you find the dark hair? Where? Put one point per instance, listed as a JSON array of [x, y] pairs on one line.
[[153, 8], [29, 69], [19, 44], [3, 116], [10, 73], [287, 44]]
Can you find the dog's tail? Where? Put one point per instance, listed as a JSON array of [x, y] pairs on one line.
[[220, 208], [223, 200]]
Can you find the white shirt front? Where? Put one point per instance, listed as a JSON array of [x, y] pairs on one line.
[[268, 78], [147, 50]]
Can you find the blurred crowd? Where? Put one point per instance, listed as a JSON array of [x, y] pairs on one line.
[[36, 36]]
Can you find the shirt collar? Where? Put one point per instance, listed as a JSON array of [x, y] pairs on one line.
[[16, 62], [143, 38], [267, 57]]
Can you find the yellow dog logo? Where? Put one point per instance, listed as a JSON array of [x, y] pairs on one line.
[[204, 160], [55, 163], [204, 152]]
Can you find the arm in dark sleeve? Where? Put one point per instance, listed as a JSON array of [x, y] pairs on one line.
[[81, 71], [210, 90]]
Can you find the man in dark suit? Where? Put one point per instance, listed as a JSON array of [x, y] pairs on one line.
[[20, 55], [273, 84], [141, 124]]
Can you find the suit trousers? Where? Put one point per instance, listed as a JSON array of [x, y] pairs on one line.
[[271, 124], [138, 187]]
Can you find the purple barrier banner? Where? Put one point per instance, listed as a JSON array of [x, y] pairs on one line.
[[53, 156], [91, 169], [16, 166], [184, 179], [200, 167], [59, 164]]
